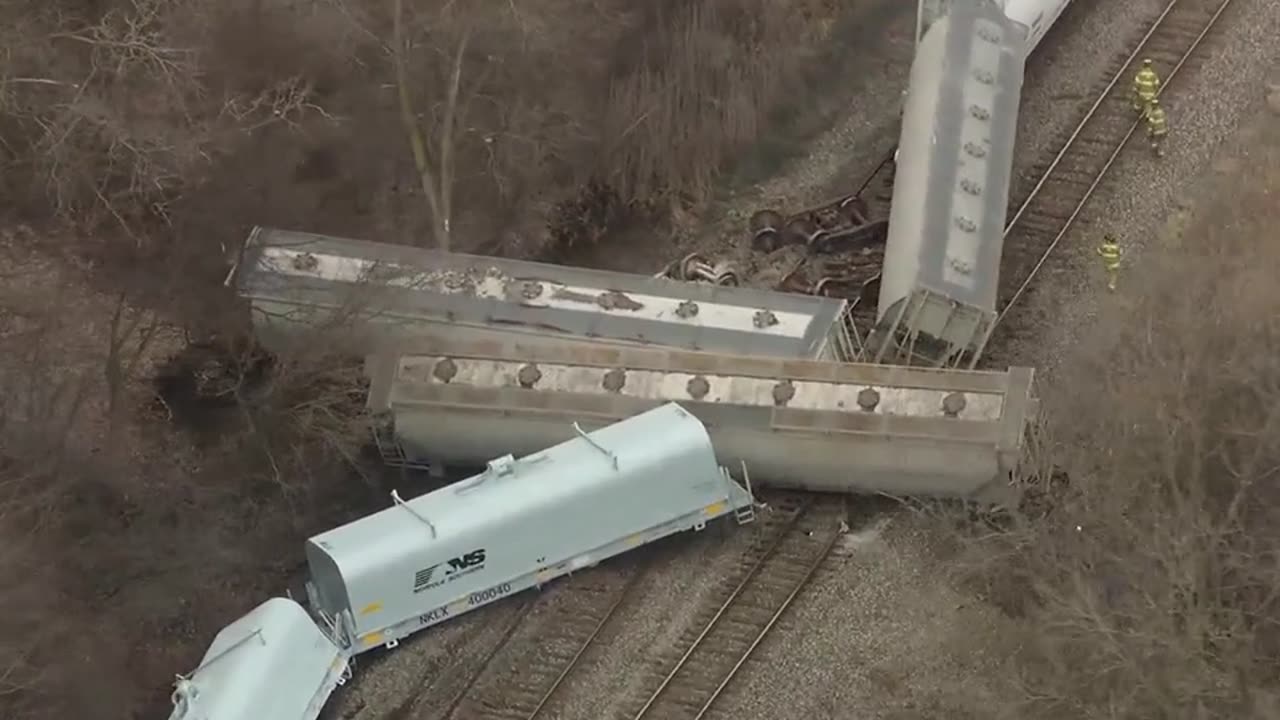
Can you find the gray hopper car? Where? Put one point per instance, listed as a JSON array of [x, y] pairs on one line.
[[951, 190], [822, 426], [518, 525], [358, 294]]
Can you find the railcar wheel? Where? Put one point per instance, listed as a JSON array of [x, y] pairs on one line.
[[801, 231], [764, 225], [689, 267], [854, 210], [764, 220]]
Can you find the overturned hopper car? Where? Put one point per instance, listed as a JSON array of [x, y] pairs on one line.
[[822, 426], [519, 524], [361, 294]]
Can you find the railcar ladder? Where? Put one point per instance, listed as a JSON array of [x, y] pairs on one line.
[[391, 451], [745, 513]]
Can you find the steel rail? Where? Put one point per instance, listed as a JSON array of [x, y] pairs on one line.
[[1115, 153], [590, 640], [746, 580], [742, 586], [517, 621], [802, 584]]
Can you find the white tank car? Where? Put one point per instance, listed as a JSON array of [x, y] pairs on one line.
[[274, 662], [519, 524], [1037, 16], [951, 189]]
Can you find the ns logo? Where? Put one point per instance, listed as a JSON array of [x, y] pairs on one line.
[[426, 577]]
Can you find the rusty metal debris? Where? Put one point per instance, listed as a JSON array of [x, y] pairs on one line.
[[838, 226], [695, 268]]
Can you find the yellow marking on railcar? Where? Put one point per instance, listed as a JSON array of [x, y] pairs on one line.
[[635, 540], [371, 608], [458, 606], [371, 639], [715, 509]]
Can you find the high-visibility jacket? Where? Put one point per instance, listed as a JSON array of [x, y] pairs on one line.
[[1111, 253], [1146, 84], [1157, 122]]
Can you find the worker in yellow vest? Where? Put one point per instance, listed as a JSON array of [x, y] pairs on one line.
[[1146, 86], [1157, 126], [1111, 254]]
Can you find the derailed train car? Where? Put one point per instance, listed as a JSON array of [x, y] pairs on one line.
[[355, 295], [819, 426], [519, 524], [941, 268], [274, 662]]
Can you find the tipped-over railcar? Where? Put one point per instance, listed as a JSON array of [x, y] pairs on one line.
[[797, 424], [360, 294]]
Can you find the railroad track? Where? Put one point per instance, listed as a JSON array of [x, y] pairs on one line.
[[775, 573], [582, 609], [1044, 217]]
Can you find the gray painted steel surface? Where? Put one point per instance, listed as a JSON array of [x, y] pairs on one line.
[[1036, 16], [274, 662], [359, 293], [951, 189], [519, 524], [461, 402]]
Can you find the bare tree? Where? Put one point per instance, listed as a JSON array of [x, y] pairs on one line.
[[131, 333], [434, 164]]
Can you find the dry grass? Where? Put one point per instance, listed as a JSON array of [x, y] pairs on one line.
[[1152, 587]]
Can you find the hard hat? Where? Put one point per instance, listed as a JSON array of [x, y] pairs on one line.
[[1146, 61], [1155, 101]]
